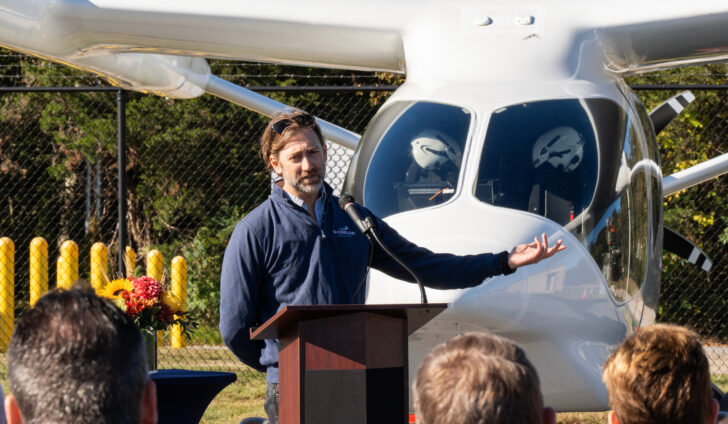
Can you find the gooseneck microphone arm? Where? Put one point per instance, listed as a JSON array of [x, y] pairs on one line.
[[368, 227]]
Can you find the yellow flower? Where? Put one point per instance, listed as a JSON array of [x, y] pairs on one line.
[[115, 288], [172, 301]]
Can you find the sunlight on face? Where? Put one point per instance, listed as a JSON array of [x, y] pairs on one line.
[[302, 164]]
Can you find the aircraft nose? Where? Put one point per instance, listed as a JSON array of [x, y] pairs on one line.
[[559, 310], [571, 273]]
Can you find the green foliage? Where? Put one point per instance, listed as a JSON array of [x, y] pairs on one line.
[[690, 296], [204, 255], [192, 171]]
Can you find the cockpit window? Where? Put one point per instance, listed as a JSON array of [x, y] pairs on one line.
[[582, 164], [540, 157], [417, 159]]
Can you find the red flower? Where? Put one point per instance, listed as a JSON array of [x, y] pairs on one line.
[[148, 304], [147, 288], [135, 305], [165, 314]]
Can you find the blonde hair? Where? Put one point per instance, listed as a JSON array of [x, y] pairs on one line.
[[477, 378], [272, 142], [659, 374]]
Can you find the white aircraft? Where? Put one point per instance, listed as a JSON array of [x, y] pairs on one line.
[[513, 120]]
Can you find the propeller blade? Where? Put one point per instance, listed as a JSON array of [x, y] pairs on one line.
[[684, 248], [668, 110]]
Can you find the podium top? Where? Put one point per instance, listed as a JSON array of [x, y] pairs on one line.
[[416, 315]]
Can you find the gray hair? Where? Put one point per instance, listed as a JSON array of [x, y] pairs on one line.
[[75, 357]]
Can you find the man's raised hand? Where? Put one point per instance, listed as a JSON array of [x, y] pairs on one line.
[[531, 253]]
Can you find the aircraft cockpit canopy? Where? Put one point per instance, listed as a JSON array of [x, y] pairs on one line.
[[417, 160], [581, 163], [542, 157]]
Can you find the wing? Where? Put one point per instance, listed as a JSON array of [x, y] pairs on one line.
[[650, 35], [323, 34], [454, 39]]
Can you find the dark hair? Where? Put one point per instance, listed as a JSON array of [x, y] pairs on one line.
[[279, 130], [75, 357]]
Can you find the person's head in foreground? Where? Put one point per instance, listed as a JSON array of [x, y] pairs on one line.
[[479, 378], [660, 374], [293, 146], [77, 358]]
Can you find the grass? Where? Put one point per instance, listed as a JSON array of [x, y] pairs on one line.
[[581, 418], [721, 381], [241, 399]]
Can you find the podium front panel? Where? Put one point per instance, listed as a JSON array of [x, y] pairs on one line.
[[355, 396], [359, 340], [344, 363]]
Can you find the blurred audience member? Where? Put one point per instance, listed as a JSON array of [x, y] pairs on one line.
[[479, 378], [77, 358], [660, 374]]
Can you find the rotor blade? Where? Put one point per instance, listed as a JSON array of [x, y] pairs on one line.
[[695, 175], [664, 113], [684, 248]]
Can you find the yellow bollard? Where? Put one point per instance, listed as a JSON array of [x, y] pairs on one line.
[[179, 289], [38, 269], [155, 269], [129, 260], [67, 265], [99, 265], [7, 291]]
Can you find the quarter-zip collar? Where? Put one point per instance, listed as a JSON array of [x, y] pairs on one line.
[[319, 206]]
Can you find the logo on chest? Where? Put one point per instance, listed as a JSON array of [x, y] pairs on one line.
[[344, 232]]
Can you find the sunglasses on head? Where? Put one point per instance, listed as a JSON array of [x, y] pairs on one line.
[[303, 120]]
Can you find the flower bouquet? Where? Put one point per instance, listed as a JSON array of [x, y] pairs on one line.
[[151, 307]]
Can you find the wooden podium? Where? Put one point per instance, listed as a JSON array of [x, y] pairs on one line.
[[344, 363]]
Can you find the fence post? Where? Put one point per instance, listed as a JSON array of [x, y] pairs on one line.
[[99, 265], [38, 269], [155, 269], [130, 258], [121, 167], [179, 289], [67, 265], [7, 291]]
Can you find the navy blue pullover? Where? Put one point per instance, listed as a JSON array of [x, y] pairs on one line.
[[278, 255]]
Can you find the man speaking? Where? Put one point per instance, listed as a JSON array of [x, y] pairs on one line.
[[291, 250]]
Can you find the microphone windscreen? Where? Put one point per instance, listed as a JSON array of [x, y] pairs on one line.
[[345, 200]]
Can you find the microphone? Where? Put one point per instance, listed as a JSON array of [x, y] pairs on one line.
[[368, 228], [346, 202]]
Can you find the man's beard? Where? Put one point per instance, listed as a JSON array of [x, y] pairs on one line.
[[303, 186]]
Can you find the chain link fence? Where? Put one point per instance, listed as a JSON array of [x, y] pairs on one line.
[[193, 172], [689, 295]]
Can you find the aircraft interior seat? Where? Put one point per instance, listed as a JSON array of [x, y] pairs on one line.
[[550, 205]]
